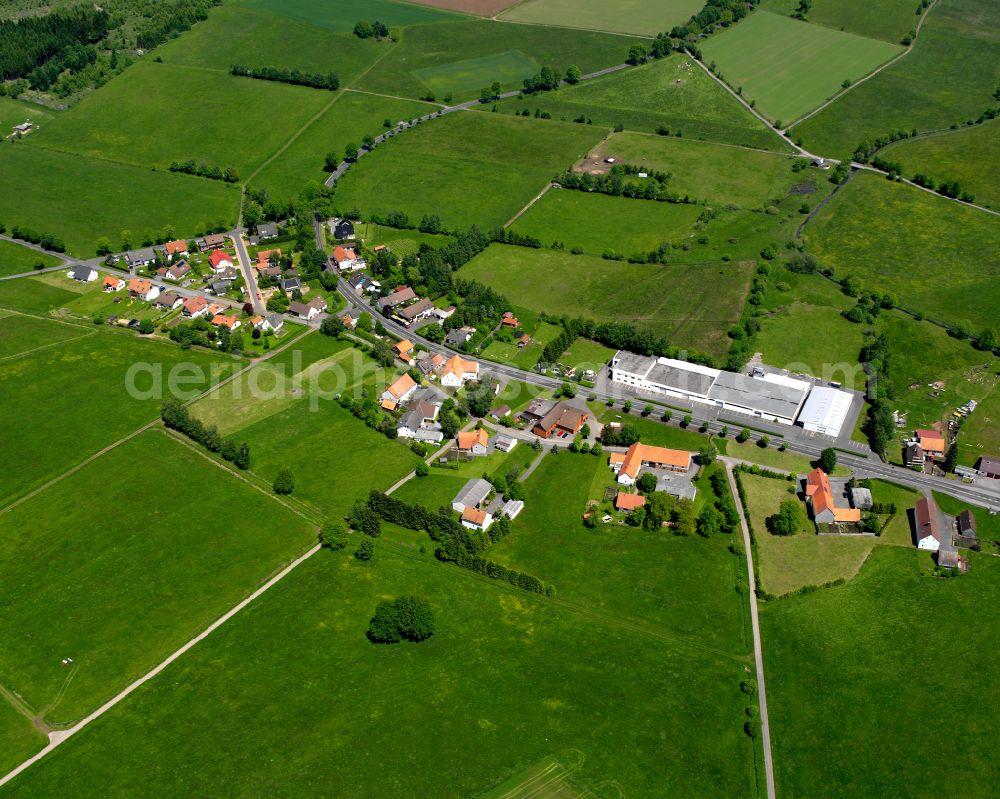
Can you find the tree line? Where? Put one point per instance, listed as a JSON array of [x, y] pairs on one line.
[[371, 30], [44, 240], [203, 170], [159, 21], [177, 417], [293, 76]]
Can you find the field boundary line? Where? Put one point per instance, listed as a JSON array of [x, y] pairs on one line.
[[41, 347], [548, 187], [873, 73], [57, 738], [497, 18], [393, 97]]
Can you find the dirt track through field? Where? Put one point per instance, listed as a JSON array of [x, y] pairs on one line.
[[481, 8]]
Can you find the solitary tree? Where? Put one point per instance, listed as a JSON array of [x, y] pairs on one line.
[[709, 520], [333, 535], [365, 550], [646, 483], [707, 454], [828, 460], [351, 152], [284, 483], [573, 74], [788, 519], [332, 161]]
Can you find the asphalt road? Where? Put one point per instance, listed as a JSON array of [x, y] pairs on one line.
[[248, 276]]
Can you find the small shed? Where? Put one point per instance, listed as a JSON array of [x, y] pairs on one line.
[[861, 498], [967, 525]]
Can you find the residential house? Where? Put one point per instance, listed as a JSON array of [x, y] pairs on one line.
[[266, 230], [215, 308], [360, 282], [275, 322], [444, 313], [273, 272], [176, 247], [928, 527], [143, 289], [220, 260], [168, 300], [509, 320], [303, 310], [548, 418], [228, 275], [343, 229], [403, 350], [628, 465], [319, 303], [83, 274], [457, 370], [967, 526], [347, 260], [472, 495], [259, 322], [228, 321], [819, 496], [420, 419], [914, 456], [175, 272], [501, 412], [212, 242], [420, 309], [505, 443], [113, 283], [459, 336], [932, 443], [861, 498], [429, 364], [628, 502], [475, 519], [195, 307], [989, 467], [398, 297], [473, 442], [349, 321], [220, 287], [401, 390], [290, 285], [136, 258], [524, 341], [265, 257]]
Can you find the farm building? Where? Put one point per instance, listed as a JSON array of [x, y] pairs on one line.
[[472, 495], [931, 442], [474, 442], [457, 371], [548, 418], [928, 527], [989, 467], [401, 390], [639, 456], [628, 502], [819, 495], [861, 498], [967, 525], [914, 455]]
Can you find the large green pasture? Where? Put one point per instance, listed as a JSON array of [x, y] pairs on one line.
[[672, 92], [129, 545], [693, 306], [888, 19], [150, 116], [351, 117], [462, 57], [36, 295], [19, 738], [936, 256], [341, 16], [598, 222], [21, 334], [45, 190], [892, 660], [303, 704], [969, 155], [799, 67], [686, 586], [704, 171], [467, 167], [256, 36], [14, 112], [948, 78], [73, 396], [15, 259], [639, 17]]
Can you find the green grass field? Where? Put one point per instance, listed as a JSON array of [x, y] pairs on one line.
[[15, 259], [149, 116], [935, 255], [948, 78], [19, 739], [341, 16], [787, 563], [469, 168], [598, 222], [888, 19], [947, 157], [620, 16], [462, 57], [352, 117], [698, 169], [801, 66], [21, 334], [126, 569], [256, 36], [316, 704], [73, 397], [587, 354], [703, 303], [34, 295], [45, 189], [841, 675], [14, 112], [672, 92]]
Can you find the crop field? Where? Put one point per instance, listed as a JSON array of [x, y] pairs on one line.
[[860, 642], [801, 66], [597, 222], [347, 121], [73, 396], [15, 259], [728, 175], [701, 305], [483, 8], [465, 56], [304, 728], [618, 571], [469, 168], [135, 118], [110, 599], [888, 19], [258, 37], [341, 16], [948, 78], [638, 17], [814, 340], [44, 189], [946, 157], [672, 92], [936, 256]]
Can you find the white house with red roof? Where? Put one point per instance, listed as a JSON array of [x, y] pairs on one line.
[[143, 289], [176, 247], [220, 260], [347, 259], [113, 283], [195, 307]]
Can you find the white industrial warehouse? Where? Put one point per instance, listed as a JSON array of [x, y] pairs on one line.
[[766, 395]]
